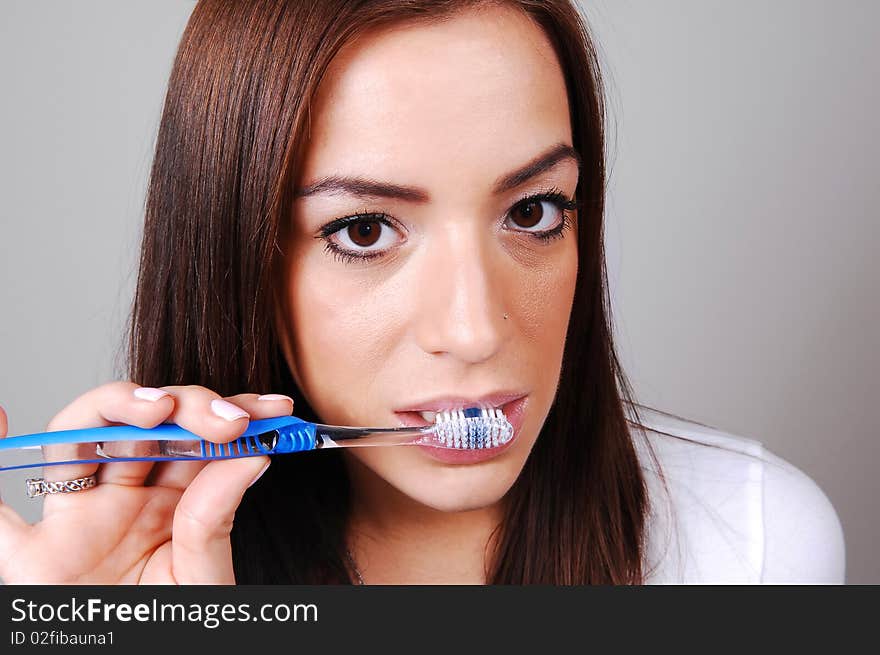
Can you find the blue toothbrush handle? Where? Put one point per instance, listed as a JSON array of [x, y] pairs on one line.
[[266, 439], [165, 442]]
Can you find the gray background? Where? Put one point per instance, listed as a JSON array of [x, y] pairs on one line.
[[742, 216]]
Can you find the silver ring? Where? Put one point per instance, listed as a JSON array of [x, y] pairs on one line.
[[39, 487]]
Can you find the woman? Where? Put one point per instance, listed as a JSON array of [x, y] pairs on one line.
[[375, 211]]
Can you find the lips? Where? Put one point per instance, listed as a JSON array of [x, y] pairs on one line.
[[498, 399], [513, 406]]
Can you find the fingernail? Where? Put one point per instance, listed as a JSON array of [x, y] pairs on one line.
[[274, 396], [260, 474], [149, 393], [227, 410]]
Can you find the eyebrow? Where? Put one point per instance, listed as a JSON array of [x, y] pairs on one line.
[[369, 188]]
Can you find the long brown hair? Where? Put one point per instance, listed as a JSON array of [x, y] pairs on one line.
[[206, 303]]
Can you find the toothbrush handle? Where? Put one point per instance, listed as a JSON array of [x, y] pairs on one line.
[[162, 432], [166, 442]]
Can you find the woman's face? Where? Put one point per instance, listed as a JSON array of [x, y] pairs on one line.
[[452, 288]]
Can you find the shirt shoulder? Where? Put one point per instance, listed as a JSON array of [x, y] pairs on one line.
[[726, 510], [803, 537]]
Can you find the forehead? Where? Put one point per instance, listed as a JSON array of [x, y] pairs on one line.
[[482, 89]]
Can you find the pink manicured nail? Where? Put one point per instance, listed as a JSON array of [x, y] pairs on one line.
[[149, 393], [259, 475], [227, 410], [274, 396]]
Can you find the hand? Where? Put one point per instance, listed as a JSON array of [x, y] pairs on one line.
[[145, 522]]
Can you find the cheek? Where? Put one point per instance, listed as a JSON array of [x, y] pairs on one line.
[[544, 304], [338, 339]]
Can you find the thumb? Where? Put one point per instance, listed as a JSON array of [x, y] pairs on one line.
[[201, 552], [3, 427], [13, 528]]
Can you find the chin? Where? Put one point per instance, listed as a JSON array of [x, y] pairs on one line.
[[458, 493], [464, 503]]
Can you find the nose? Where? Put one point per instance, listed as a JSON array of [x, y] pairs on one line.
[[460, 309]]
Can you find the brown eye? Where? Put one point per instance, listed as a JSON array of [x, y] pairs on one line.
[[542, 216], [362, 236], [364, 233], [528, 214]]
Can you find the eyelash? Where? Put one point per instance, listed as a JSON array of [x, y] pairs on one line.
[[554, 195]]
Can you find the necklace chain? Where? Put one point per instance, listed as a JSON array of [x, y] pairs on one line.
[[351, 563]]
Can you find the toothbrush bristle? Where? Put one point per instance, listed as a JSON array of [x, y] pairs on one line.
[[472, 428]]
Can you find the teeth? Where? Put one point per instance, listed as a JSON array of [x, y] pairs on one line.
[[455, 430], [430, 417]]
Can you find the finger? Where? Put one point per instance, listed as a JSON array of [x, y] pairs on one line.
[[200, 544], [4, 426], [13, 528], [266, 406], [196, 409], [14, 531], [190, 402], [179, 475], [206, 414], [176, 475], [134, 474], [110, 404]]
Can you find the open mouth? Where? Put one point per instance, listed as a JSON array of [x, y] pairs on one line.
[[513, 411]]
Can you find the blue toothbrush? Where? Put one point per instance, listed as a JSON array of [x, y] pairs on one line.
[[470, 428]]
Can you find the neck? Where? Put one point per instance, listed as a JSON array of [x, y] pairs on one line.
[[394, 539]]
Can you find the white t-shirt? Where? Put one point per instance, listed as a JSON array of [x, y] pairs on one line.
[[734, 515]]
